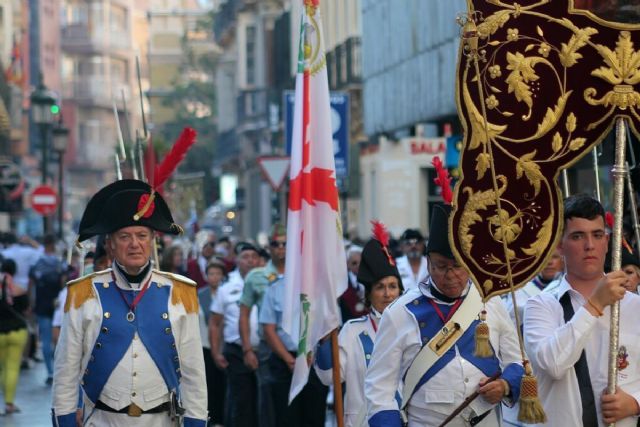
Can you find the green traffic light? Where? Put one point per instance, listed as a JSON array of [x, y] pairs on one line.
[[55, 109]]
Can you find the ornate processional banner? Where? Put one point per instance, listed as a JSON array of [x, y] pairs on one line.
[[542, 86]]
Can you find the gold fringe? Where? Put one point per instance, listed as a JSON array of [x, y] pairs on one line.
[[531, 411], [185, 294], [79, 292], [483, 346]]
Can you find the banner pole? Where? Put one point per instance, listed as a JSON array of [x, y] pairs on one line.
[[337, 383], [619, 171]]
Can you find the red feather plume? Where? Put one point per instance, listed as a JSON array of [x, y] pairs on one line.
[[381, 234], [173, 158], [443, 180], [608, 219]]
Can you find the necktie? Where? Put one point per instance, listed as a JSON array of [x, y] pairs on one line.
[[589, 416]]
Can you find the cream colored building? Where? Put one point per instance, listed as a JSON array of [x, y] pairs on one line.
[[397, 183]]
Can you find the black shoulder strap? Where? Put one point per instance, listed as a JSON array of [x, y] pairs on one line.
[[589, 416]]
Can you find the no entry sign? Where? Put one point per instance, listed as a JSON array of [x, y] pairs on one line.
[[44, 200]]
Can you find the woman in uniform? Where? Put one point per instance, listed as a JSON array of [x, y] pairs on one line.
[[381, 279]]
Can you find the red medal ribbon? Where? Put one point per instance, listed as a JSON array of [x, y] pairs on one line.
[[138, 297], [455, 307], [375, 327]]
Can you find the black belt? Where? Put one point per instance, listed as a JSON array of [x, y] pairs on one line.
[[160, 408]]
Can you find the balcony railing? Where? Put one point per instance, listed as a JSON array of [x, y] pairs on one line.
[[80, 37], [95, 90]]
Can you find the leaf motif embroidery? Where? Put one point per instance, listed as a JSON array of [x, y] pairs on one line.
[[483, 161], [571, 122], [551, 117], [493, 22], [569, 55], [576, 143], [542, 241], [530, 169], [557, 142], [522, 72], [478, 131]]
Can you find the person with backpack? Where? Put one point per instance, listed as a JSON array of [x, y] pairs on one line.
[[47, 277]]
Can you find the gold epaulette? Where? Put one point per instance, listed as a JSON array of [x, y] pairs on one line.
[[183, 292], [79, 291]]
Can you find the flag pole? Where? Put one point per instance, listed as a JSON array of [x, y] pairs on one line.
[[619, 171], [337, 383]]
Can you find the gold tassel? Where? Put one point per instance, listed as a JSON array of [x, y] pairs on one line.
[[185, 294], [483, 346], [531, 411]]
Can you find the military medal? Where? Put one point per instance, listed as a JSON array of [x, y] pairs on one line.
[[131, 316]]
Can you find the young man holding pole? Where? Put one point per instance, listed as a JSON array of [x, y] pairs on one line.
[[566, 331]]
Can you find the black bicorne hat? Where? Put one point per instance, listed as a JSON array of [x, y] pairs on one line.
[[439, 231], [376, 261], [126, 203]]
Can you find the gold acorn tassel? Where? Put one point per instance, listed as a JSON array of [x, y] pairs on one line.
[[531, 411], [483, 347]]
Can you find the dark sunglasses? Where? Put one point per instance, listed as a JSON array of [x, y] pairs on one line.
[[275, 244]]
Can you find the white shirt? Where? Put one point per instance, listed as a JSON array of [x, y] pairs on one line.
[[25, 257], [522, 296], [58, 314], [410, 280], [554, 347], [398, 342], [226, 304]]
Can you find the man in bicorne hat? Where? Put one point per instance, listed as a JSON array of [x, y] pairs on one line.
[[130, 336], [427, 338]]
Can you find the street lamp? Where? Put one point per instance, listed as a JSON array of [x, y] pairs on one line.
[[60, 141], [43, 107]]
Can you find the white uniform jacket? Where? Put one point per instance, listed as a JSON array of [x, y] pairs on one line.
[[410, 280], [120, 361], [555, 346], [406, 325], [355, 344]]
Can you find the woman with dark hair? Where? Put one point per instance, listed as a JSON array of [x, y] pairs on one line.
[[173, 260], [381, 279], [13, 333]]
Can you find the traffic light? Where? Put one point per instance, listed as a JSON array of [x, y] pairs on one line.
[[55, 109]]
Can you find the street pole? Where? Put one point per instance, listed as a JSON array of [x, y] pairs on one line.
[[60, 195], [45, 160]]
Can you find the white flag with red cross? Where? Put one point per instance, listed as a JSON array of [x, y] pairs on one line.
[[316, 272]]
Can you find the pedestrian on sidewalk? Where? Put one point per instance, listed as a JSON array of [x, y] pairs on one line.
[[47, 277], [13, 333]]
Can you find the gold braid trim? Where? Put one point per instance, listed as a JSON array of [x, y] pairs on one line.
[[185, 294], [146, 207], [79, 291]]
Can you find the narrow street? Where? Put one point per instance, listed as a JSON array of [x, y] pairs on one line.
[[34, 400]]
